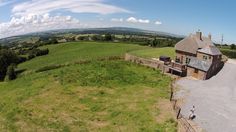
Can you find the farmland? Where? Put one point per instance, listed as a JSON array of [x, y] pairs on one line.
[[108, 95]]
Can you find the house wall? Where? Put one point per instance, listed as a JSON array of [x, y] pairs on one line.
[[216, 66], [211, 58], [214, 69], [201, 75], [182, 56], [200, 56]]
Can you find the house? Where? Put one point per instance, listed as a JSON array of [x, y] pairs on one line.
[[200, 56]]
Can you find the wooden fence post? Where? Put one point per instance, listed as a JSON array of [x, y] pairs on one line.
[[178, 113]]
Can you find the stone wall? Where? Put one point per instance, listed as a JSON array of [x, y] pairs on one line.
[[147, 62], [201, 75]]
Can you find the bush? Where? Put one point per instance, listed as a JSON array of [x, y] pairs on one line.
[[37, 52], [22, 59], [10, 75], [31, 56], [108, 37], [232, 46], [229, 53], [47, 68], [7, 57]]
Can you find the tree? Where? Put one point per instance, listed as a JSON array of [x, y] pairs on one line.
[[155, 42], [108, 37], [232, 46], [7, 57], [10, 75], [96, 38]]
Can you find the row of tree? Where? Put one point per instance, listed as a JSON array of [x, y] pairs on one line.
[[37, 52], [9, 60], [142, 40]]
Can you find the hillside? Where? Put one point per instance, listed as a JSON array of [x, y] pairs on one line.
[[76, 51], [99, 95], [37, 37]]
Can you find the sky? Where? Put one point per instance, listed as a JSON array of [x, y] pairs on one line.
[[180, 17]]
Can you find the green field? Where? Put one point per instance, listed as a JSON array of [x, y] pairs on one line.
[[155, 52], [72, 52], [98, 96]]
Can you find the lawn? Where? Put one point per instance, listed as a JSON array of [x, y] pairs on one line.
[[155, 52], [97, 96]]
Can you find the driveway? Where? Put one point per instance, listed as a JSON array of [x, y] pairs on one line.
[[214, 99]]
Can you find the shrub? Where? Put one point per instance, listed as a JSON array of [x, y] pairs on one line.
[[7, 57], [229, 53], [22, 59], [47, 68], [10, 75], [31, 56]]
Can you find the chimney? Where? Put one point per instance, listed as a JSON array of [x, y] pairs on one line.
[[209, 36], [199, 34]]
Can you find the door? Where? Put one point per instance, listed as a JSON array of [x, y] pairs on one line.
[[195, 73]]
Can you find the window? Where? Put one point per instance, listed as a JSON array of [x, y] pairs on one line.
[[204, 57], [209, 57], [187, 60], [195, 70], [177, 60]]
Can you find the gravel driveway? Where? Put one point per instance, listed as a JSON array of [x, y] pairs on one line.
[[214, 99]]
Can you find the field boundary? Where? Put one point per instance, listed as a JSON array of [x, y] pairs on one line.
[[156, 64]]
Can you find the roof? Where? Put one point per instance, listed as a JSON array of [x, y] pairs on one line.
[[199, 64], [192, 43], [211, 50]]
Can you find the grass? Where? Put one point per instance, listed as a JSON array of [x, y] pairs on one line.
[[72, 52], [155, 52], [96, 96]]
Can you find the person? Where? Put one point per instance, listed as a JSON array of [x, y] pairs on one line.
[[192, 113]]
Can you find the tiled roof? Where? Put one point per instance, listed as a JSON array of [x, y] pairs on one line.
[[192, 43], [199, 64], [211, 50]]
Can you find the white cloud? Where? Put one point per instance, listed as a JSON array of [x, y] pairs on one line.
[[132, 20], [144, 21], [117, 20], [158, 22], [135, 20], [33, 15], [6, 2], [36, 23], [76, 6]]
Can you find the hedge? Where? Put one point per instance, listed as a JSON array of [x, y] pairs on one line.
[[229, 53]]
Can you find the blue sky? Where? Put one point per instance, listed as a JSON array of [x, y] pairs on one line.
[[174, 16]]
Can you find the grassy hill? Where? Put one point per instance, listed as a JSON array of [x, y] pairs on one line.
[[109, 95], [77, 51]]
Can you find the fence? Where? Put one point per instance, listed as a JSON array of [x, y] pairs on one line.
[[187, 127]]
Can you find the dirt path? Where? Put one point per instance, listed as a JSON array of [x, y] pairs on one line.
[[214, 99]]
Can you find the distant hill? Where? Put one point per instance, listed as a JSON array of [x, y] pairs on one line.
[[33, 37]]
